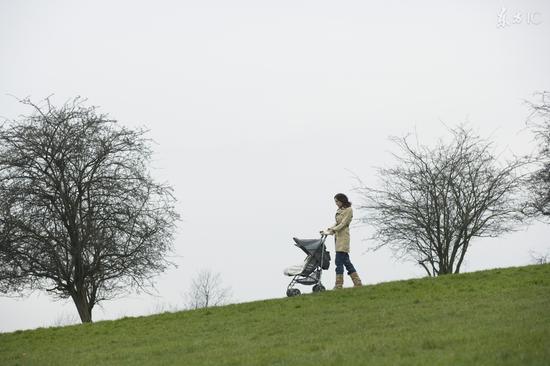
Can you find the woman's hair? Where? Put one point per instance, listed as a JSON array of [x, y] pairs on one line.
[[344, 199]]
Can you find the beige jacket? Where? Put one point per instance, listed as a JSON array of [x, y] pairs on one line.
[[341, 229]]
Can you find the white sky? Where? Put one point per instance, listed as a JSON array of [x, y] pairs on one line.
[[262, 109]]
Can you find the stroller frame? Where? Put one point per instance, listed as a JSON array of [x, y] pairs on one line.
[[313, 265]]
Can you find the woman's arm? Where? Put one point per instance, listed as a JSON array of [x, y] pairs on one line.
[[346, 220]]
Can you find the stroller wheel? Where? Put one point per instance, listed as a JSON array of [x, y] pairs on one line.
[[292, 292], [318, 288]]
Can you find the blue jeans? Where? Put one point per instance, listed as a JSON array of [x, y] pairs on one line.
[[341, 260]]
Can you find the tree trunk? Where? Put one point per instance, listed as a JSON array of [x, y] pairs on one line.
[[462, 254], [82, 305]]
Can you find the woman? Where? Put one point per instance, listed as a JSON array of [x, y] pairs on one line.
[[340, 231]]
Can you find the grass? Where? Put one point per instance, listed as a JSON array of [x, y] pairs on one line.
[[496, 317]]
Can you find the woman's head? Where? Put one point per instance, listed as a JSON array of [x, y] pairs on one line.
[[342, 201]]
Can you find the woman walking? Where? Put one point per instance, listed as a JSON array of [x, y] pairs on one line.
[[340, 230]]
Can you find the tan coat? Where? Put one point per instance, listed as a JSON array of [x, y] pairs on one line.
[[341, 229]]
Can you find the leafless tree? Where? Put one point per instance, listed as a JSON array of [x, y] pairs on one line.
[[207, 290], [436, 200], [80, 216], [540, 258], [539, 182]]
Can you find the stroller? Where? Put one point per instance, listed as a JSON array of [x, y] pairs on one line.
[[309, 272]]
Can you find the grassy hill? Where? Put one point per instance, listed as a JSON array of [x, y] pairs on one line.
[[496, 317]]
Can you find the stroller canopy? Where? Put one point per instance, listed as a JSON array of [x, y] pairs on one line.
[[309, 246]]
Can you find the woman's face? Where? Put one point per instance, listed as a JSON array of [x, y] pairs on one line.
[[338, 203]]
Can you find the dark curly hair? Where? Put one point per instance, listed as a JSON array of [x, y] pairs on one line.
[[344, 199]]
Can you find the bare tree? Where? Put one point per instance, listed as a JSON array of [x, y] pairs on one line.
[[207, 290], [80, 216], [539, 182], [436, 200], [540, 258]]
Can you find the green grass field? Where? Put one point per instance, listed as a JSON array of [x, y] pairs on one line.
[[497, 317]]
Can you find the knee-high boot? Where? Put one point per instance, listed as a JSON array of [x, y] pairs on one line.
[[339, 281], [356, 280]]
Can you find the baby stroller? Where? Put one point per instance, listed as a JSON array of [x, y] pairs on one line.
[[309, 272]]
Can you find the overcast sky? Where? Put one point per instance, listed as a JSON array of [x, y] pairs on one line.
[[263, 110]]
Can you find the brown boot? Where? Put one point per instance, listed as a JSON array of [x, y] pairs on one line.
[[356, 280], [339, 281]]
